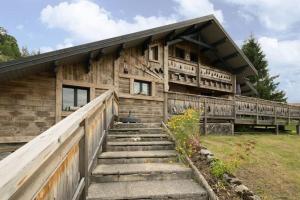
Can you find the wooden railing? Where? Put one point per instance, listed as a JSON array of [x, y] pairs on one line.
[[57, 163], [240, 109]]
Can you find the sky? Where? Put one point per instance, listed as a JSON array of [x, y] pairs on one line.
[[55, 24]]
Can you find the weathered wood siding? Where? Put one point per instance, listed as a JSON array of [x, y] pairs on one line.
[[134, 65], [27, 106], [147, 110]]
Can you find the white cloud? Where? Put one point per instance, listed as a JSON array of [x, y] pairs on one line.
[[284, 59], [197, 8], [86, 21], [274, 14], [66, 43]]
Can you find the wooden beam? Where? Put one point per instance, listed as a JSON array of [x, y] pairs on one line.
[[216, 43], [232, 55], [200, 43], [146, 45], [170, 36], [240, 69], [175, 41], [119, 50]]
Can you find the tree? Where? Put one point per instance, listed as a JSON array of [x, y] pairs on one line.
[[264, 83], [25, 52], [9, 49]]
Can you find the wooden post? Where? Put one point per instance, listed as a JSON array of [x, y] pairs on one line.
[[205, 119], [165, 107], [166, 82], [84, 160], [105, 126], [256, 112], [277, 129], [58, 91], [298, 129]]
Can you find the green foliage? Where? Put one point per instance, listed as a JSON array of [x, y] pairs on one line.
[[186, 130], [266, 85], [219, 168], [9, 48]]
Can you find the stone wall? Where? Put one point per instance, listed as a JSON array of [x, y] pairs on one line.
[[217, 128]]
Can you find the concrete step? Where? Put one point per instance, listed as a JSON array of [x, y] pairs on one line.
[[136, 125], [184, 189], [140, 146], [136, 131], [137, 137], [140, 172], [124, 157]]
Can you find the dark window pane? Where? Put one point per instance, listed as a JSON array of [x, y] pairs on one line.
[[82, 97], [194, 57], [179, 53], [68, 98]]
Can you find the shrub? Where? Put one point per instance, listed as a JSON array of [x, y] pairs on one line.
[[218, 168], [186, 130]]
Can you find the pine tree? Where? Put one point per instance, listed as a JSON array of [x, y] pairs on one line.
[[264, 83]]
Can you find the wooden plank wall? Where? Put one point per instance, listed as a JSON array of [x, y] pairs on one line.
[[27, 107], [134, 65]]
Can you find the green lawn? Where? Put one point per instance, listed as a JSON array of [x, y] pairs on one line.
[[268, 164]]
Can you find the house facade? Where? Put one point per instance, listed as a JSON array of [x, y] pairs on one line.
[[156, 73]]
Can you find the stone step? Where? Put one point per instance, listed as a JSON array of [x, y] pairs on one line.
[[124, 157], [136, 125], [140, 172], [137, 137], [136, 131], [140, 146], [184, 189]]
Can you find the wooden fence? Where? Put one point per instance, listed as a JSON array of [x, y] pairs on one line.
[[57, 163], [239, 110]]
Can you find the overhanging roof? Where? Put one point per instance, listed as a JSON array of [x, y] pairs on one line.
[[212, 33]]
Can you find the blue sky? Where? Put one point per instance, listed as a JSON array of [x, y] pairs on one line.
[[50, 25]]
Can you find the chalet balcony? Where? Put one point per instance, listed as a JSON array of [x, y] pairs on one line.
[[240, 110], [194, 74]]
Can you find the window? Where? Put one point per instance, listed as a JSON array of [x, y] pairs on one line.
[[179, 53], [193, 57], [141, 87], [74, 97], [154, 53]]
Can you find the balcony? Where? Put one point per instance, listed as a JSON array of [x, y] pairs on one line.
[[193, 74]]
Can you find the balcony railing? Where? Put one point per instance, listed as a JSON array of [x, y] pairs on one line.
[[239, 110], [195, 74]]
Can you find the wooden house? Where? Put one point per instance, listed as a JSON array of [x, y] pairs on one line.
[[156, 73]]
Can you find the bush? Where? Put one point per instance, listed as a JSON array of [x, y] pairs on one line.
[[186, 130], [218, 169]]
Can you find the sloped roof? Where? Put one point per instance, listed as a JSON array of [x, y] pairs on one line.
[[213, 33]]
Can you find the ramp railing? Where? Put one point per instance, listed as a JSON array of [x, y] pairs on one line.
[[57, 163]]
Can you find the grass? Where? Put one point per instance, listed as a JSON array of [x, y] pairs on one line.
[[268, 164]]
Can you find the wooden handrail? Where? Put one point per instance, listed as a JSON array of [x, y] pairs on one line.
[[44, 163]]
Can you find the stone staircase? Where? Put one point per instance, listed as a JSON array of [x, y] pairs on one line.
[[141, 163]]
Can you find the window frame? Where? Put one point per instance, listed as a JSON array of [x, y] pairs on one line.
[[76, 88], [141, 82], [151, 55]]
